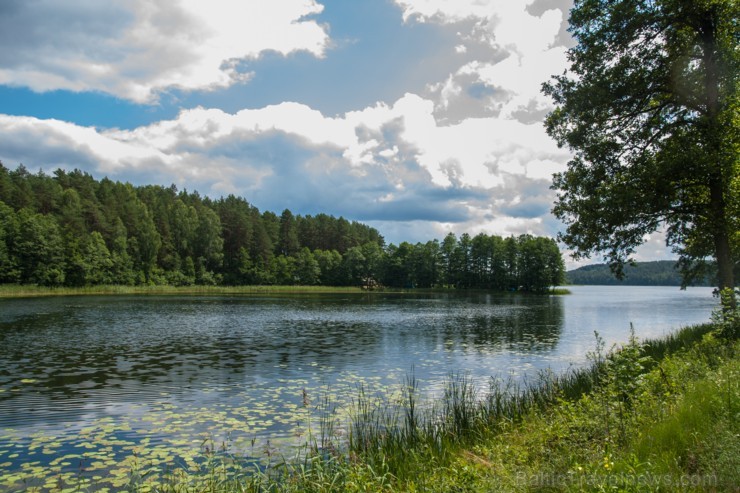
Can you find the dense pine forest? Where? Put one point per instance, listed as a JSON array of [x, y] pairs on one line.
[[69, 229]]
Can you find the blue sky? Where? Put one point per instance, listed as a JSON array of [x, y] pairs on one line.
[[374, 56], [418, 117]]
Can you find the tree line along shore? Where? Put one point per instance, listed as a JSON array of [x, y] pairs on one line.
[[72, 230]]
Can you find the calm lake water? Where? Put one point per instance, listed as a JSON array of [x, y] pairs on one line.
[[86, 381]]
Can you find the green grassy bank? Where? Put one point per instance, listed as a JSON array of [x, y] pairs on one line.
[[30, 291], [650, 416]]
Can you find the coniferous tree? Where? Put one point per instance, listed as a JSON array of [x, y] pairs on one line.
[[81, 232], [9, 236]]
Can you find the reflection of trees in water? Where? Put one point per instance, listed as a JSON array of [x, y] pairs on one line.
[[122, 349], [515, 323], [139, 346]]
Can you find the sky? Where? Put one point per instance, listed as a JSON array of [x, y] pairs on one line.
[[417, 117]]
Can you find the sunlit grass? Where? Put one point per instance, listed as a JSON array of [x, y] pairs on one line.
[[30, 291], [560, 291], [24, 291]]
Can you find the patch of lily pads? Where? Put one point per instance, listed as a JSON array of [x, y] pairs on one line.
[[145, 442]]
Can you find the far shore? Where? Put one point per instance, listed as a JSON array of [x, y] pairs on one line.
[[30, 291]]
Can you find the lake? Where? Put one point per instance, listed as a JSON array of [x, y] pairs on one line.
[[87, 383]]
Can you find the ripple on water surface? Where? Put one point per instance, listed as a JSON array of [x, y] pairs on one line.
[[91, 387]]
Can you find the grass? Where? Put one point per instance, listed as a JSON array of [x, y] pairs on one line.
[[560, 291], [30, 291], [658, 415], [26, 291]]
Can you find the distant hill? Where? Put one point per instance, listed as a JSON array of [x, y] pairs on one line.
[[659, 273]]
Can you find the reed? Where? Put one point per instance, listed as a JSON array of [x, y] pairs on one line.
[[29, 290], [680, 339], [560, 291], [398, 434]]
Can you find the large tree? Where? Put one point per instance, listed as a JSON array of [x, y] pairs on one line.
[[649, 108]]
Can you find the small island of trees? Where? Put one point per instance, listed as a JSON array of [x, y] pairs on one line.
[[70, 229]]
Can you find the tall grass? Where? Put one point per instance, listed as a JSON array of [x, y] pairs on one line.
[[659, 348], [396, 435], [29, 290]]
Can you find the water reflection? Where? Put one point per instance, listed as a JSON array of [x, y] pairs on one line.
[[519, 324], [76, 350]]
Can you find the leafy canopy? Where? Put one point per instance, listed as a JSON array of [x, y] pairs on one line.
[[649, 107]]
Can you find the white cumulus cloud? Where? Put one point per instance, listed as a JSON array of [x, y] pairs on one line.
[[508, 86], [133, 49]]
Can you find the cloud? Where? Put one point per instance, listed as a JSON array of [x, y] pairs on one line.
[[525, 48], [53, 143], [465, 95], [383, 163], [463, 150], [507, 24], [563, 37], [134, 49]]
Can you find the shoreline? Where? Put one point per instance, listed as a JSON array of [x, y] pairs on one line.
[[11, 291]]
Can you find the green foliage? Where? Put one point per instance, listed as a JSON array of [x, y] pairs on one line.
[[617, 378], [727, 316], [524, 263], [307, 268], [51, 229], [38, 249], [71, 230], [9, 272], [650, 108], [288, 243]]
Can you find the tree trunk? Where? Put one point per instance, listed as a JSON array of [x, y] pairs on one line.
[[721, 237], [725, 265], [717, 178]]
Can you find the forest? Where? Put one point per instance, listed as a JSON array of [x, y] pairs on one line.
[[69, 229], [658, 273]]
